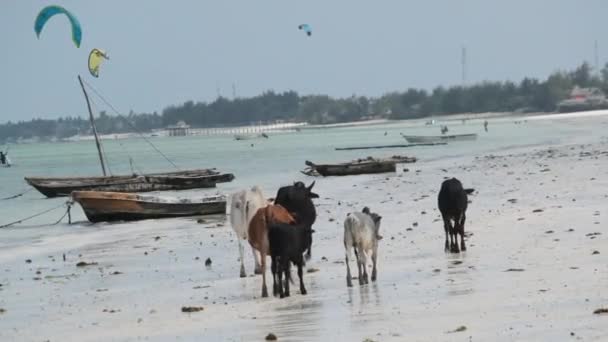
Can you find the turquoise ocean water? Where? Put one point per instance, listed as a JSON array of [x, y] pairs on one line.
[[269, 162]]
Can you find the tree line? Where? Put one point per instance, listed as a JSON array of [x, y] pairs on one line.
[[528, 95]]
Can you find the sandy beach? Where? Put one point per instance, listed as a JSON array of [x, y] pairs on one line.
[[535, 270]]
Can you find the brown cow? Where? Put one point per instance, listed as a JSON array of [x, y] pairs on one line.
[[258, 233]]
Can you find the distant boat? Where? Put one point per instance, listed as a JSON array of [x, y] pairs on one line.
[[250, 136], [357, 167], [414, 139], [181, 180], [102, 206]]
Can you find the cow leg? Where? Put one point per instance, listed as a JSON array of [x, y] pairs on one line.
[[273, 269], [374, 258], [257, 268], [280, 278], [463, 247], [286, 266], [349, 279], [263, 269], [241, 252], [455, 239], [308, 252], [359, 271], [447, 228], [363, 258], [301, 276]]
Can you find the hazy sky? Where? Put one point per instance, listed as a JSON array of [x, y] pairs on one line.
[[168, 52]]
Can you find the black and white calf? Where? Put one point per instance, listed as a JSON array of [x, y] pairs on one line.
[[361, 233], [453, 202], [287, 245]]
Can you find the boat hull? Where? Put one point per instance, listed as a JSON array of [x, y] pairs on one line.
[[359, 167], [417, 139], [194, 179], [101, 206]]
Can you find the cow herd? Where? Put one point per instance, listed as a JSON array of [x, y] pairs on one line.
[[282, 229]]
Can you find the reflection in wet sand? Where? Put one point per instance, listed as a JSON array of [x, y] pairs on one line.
[[302, 319], [459, 280]]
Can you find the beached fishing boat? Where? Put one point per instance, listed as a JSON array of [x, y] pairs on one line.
[[102, 206], [368, 165], [179, 180], [416, 139], [183, 180]]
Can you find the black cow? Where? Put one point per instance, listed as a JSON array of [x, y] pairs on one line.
[[287, 245], [453, 203], [297, 199]]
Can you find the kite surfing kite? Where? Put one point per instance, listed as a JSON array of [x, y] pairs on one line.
[[96, 57], [306, 28], [49, 11]]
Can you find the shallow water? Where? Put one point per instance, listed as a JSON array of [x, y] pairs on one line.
[[269, 163]]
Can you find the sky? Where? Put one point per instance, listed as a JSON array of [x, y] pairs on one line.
[[167, 52]]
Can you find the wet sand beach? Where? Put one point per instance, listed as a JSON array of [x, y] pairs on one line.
[[536, 267]]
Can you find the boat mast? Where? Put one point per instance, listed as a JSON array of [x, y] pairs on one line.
[[86, 97]]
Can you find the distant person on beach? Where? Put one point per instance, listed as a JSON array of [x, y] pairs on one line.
[[485, 125], [2, 158]]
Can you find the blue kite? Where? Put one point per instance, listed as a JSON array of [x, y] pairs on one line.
[[49, 11]]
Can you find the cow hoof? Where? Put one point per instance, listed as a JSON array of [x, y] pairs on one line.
[[303, 292], [373, 278], [349, 283], [257, 271], [243, 274], [264, 293]]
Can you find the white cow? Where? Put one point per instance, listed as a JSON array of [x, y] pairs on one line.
[[361, 232], [244, 204]]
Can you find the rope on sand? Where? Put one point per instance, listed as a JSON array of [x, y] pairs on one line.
[[17, 195], [35, 215], [67, 212]]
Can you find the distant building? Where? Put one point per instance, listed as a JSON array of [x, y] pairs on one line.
[[179, 130], [583, 99]]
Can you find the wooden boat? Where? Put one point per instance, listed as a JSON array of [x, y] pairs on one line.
[[357, 167], [192, 179], [180, 180], [102, 206], [414, 139], [250, 136]]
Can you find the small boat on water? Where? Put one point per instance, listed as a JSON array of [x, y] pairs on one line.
[[102, 206], [180, 180], [415, 139], [250, 136], [368, 165]]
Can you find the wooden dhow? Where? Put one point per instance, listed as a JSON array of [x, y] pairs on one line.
[[100, 206]]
